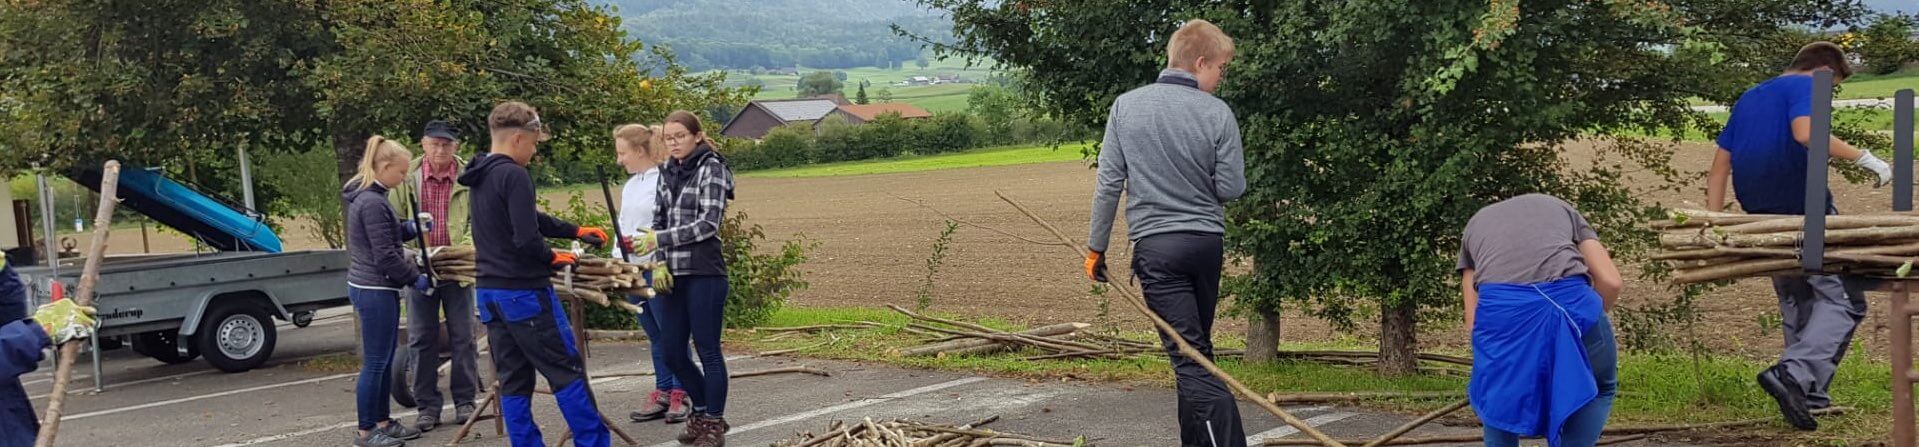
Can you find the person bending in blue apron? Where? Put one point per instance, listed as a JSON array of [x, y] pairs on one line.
[[1537, 284], [1762, 153], [525, 326], [23, 342]]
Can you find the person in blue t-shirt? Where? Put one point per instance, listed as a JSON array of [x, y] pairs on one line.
[[1763, 149]]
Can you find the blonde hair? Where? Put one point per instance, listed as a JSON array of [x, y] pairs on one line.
[[648, 140], [1195, 39], [380, 153]]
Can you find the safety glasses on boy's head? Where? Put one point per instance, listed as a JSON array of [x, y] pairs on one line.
[[538, 128]]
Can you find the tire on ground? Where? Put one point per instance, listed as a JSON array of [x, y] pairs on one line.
[[400, 376], [236, 335]]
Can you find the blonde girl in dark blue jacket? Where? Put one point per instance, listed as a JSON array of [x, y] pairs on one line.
[[376, 242]]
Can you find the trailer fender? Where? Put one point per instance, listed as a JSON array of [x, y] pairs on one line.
[[206, 301]]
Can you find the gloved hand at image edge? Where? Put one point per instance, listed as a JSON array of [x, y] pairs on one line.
[[65, 321]]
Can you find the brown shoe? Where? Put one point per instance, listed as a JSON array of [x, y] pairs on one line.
[[694, 427], [715, 433]]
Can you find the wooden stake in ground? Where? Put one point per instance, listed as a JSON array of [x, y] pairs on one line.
[[1132, 297], [102, 224]]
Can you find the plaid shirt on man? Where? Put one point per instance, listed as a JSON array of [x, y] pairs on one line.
[[436, 191], [691, 206]]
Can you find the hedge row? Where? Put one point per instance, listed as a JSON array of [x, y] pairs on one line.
[[835, 140]]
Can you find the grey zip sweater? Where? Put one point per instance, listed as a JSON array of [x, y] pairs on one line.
[[1175, 151]]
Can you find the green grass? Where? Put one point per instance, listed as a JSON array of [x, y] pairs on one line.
[[1869, 86], [1654, 389], [978, 158], [933, 98]]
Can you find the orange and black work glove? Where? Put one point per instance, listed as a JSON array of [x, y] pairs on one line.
[[592, 236], [563, 259], [1095, 266]]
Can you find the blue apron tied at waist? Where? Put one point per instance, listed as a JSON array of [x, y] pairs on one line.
[[1529, 365]]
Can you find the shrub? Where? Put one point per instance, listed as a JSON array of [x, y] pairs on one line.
[[306, 194], [758, 283]]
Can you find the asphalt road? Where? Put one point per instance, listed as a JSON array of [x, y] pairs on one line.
[[146, 403]]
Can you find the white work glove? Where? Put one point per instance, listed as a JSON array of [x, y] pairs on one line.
[[1872, 163]]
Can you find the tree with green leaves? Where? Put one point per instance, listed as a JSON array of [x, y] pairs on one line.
[[179, 84], [861, 97], [819, 83], [1888, 44], [884, 94], [1374, 129]]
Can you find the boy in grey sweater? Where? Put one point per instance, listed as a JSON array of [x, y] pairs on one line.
[[1174, 150]]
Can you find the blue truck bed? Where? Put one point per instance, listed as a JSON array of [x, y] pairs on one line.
[[182, 208]]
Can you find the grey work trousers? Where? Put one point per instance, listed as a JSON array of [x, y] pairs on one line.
[[423, 332], [1818, 314]]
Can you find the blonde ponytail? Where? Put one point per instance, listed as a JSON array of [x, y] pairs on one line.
[[380, 152]]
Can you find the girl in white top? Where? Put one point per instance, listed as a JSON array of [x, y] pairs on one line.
[[640, 152]]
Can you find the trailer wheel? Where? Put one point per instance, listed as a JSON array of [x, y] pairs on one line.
[[400, 375], [164, 346], [302, 319], [236, 336]]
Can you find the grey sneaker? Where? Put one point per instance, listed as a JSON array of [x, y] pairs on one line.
[[462, 413], [426, 422], [377, 438], [396, 430]]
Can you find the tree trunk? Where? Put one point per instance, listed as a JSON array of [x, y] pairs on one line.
[[347, 147], [1398, 339], [1262, 336]]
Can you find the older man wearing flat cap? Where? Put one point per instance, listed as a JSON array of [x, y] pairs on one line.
[[430, 181]]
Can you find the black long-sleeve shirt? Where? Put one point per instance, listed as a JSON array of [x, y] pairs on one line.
[[509, 231]]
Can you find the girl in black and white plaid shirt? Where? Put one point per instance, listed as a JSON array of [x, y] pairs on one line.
[[694, 188]]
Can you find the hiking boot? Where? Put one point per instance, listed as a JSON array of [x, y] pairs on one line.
[[396, 430], [656, 406], [701, 425], [714, 434], [678, 407], [377, 438], [694, 427], [462, 413], [426, 422], [1792, 401]]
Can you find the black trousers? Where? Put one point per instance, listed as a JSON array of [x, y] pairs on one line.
[[1179, 273]]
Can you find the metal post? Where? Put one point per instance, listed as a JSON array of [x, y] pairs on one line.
[[99, 383], [46, 224], [1902, 417], [1813, 249], [1902, 151], [246, 180]]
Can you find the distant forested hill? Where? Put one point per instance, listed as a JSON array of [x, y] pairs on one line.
[[742, 34]]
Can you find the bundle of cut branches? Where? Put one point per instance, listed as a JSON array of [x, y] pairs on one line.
[[914, 434], [1703, 246], [601, 281]]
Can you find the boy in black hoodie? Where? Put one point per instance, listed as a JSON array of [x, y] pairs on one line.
[[524, 327]]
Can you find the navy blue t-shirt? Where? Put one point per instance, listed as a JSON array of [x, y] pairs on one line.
[[13, 294], [1768, 165]]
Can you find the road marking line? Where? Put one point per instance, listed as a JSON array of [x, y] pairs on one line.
[[843, 407], [312, 431], [203, 397], [203, 372], [346, 425], [1288, 430], [50, 379]]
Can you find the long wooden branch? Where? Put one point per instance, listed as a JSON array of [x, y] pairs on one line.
[[89, 276], [1132, 297]]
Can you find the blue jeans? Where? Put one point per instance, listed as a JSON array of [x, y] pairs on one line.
[[379, 312], [696, 312], [663, 378], [1583, 428]]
